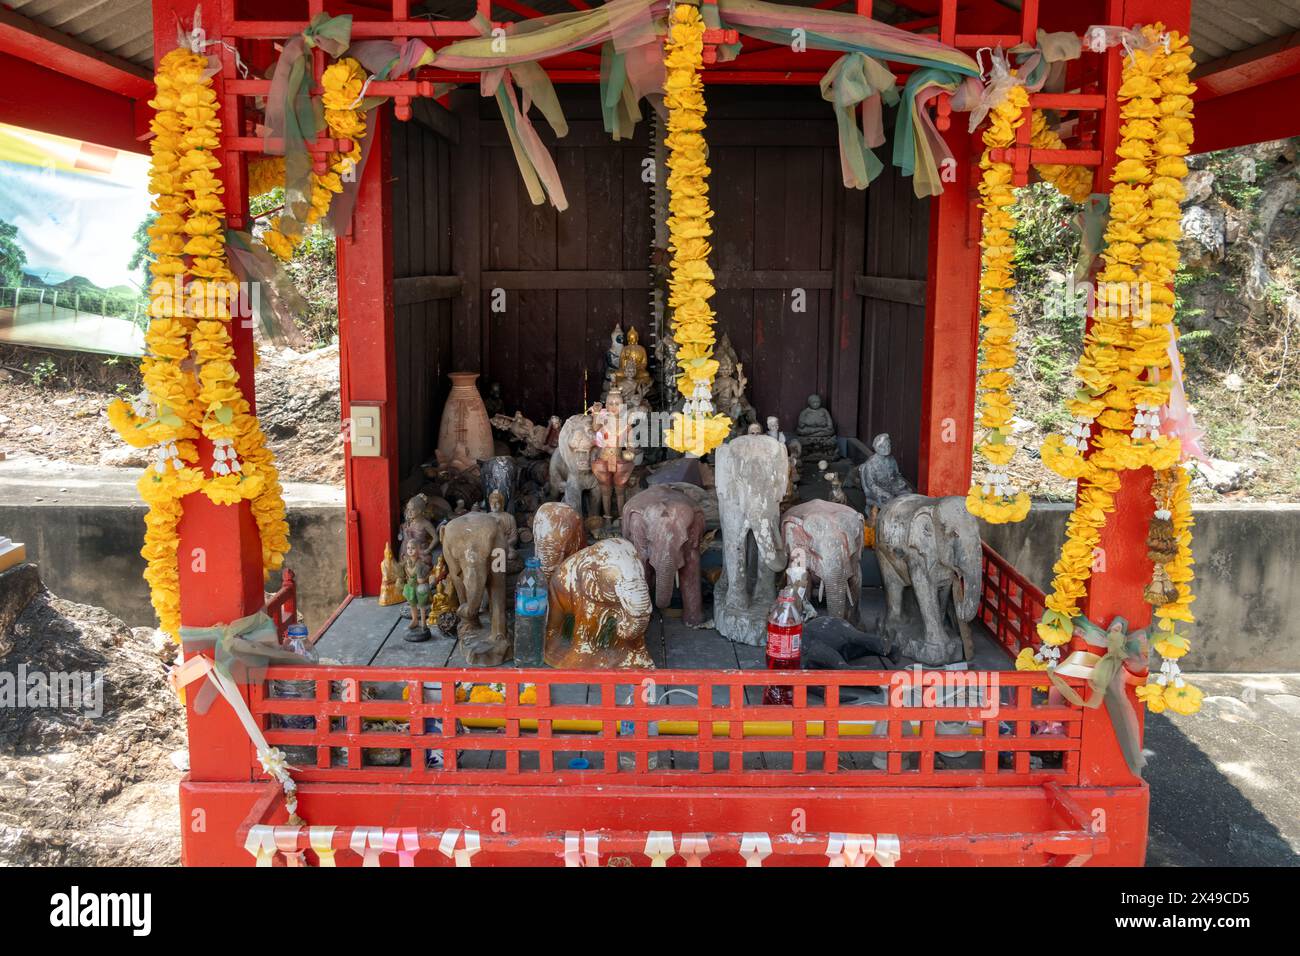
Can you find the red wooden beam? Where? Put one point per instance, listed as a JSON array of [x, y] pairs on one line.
[[34, 97], [1248, 69], [59, 52], [1251, 116]]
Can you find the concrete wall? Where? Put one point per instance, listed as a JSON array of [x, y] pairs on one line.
[[91, 554], [1247, 579]]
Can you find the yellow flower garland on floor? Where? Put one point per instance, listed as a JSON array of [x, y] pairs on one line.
[[1116, 410], [191, 385], [697, 430], [343, 82], [994, 499]]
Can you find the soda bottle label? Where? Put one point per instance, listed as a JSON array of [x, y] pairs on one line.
[[783, 643]]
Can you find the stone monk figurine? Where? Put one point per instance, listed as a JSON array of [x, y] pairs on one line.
[[881, 480], [816, 431]]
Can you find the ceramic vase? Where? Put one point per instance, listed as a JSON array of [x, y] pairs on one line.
[[464, 435]]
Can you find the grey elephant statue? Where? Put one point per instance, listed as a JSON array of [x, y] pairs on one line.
[[931, 545], [601, 593], [499, 474], [571, 476], [831, 536], [557, 533], [751, 472], [666, 526], [474, 548]]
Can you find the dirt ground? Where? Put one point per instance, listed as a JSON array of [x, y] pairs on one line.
[[52, 406]]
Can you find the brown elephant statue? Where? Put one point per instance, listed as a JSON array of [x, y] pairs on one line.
[[557, 533], [474, 548], [665, 525], [602, 590]]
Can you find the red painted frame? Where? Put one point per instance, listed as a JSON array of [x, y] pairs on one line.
[[223, 782]]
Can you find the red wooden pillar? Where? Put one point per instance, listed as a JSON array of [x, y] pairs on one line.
[[220, 553], [368, 363], [951, 326], [1122, 568]]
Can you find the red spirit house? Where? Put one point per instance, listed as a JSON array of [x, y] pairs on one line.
[[888, 336]]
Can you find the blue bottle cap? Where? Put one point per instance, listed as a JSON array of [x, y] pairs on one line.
[[296, 630], [579, 763], [532, 562]]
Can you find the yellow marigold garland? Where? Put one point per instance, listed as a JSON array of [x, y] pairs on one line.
[[994, 499], [264, 174], [1125, 370], [191, 385], [1072, 182], [698, 429], [343, 82]]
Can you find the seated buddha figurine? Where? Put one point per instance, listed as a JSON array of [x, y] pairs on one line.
[[816, 432], [632, 376]]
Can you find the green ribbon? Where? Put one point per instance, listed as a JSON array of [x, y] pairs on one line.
[[242, 650], [1091, 221], [852, 79]]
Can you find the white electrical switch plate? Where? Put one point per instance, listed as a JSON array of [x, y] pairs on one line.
[[365, 431]]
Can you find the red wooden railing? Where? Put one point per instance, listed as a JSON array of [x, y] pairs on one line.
[[1010, 606], [282, 607]]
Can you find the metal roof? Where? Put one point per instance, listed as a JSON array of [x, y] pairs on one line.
[[124, 28]]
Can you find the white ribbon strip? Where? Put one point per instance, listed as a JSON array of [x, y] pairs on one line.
[[322, 842], [589, 855], [850, 849], [261, 843], [447, 846], [888, 849], [694, 848], [755, 848], [286, 841], [659, 847], [368, 843]]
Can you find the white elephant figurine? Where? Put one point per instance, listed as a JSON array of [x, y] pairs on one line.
[[933, 546], [751, 472], [571, 476], [830, 535]]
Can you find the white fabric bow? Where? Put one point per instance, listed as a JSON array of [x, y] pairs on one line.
[[659, 847], [755, 848], [261, 843], [322, 841], [694, 848], [368, 843], [589, 855], [447, 846]]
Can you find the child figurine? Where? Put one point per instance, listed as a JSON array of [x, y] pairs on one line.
[[414, 576]]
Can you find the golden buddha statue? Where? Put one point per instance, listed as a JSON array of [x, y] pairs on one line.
[[633, 362]]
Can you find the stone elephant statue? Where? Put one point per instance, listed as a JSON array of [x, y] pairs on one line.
[[602, 590], [474, 548], [570, 474], [831, 536], [665, 525], [557, 533], [933, 546], [751, 474]]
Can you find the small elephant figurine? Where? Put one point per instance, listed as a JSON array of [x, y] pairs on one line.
[[557, 533], [830, 535], [603, 590], [474, 548], [499, 474], [570, 474], [665, 525], [933, 546]]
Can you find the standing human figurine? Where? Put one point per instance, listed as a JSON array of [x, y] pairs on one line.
[[799, 580], [613, 355], [496, 508], [417, 527], [413, 576], [881, 480], [816, 431], [774, 428], [613, 460]]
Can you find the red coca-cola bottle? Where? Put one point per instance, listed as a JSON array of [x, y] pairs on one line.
[[784, 636]]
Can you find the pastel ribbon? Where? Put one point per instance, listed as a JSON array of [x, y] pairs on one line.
[[242, 650], [447, 846], [694, 848], [888, 849], [261, 843], [368, 843], [262, 272], [755, 848], [404, 842], [589, 855], [286, 841], [322, 843], [659, 847], [853, 79], [850, 849]]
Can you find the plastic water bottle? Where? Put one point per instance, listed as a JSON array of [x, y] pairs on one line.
[[297, 642], [530, 615], [784, 639]]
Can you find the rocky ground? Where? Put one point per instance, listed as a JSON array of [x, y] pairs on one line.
[[78, 789], [52, 407]]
